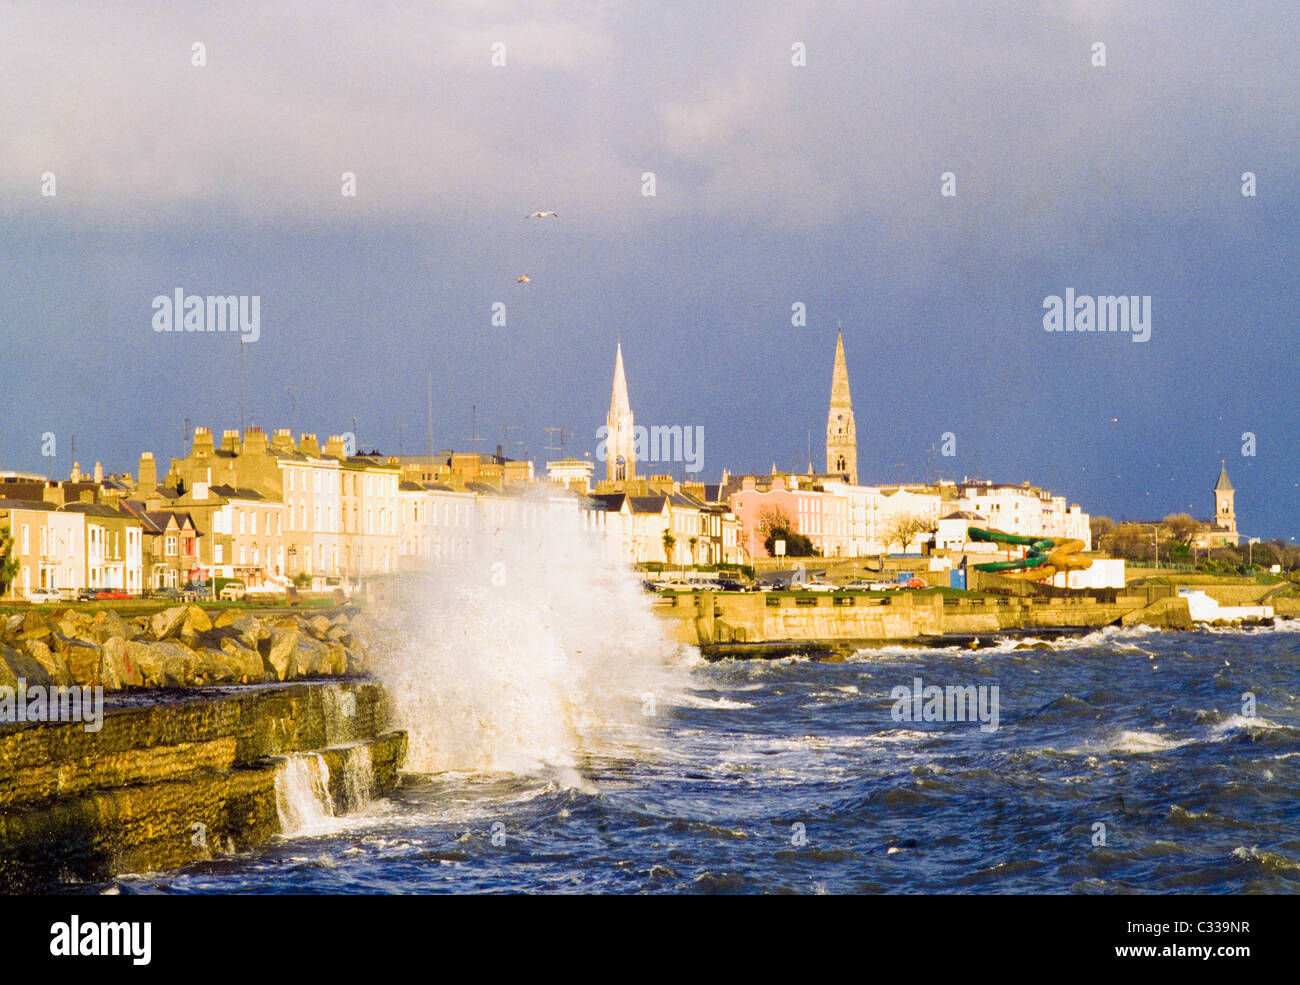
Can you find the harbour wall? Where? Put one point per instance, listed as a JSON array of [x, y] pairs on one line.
[[846, 621]]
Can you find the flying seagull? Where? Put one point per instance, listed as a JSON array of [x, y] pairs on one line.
[[522, 279], [542, 215]]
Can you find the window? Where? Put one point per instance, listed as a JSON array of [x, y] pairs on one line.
[[241, 521], [26, 540], [218, 553], [171, 546], [289, 475], [278, 520]]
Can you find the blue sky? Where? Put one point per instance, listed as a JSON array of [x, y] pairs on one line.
[[774, 184]]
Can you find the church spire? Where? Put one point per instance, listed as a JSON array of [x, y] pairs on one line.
[[618, 402], [841, 435], [619, 443], [1223, 485]]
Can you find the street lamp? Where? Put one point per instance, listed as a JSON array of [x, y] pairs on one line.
[[1155, 535]]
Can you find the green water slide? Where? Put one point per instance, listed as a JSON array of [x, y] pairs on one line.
[[1038, 548]]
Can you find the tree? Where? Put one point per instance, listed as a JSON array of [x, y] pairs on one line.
[[904, 528], [770, 517], [1132, 542], [796, 544], [693, 543], [1181, 528], [9, 564], [669, 543], [1101, 528]]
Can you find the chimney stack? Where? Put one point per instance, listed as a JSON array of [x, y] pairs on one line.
[[254, 441], [230, 441], [282, 441], [308, 446], [148, 476], [335, 446], [99, 472], [76, 472], [202, 446]]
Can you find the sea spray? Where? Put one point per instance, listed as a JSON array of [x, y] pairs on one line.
[[526, 654]]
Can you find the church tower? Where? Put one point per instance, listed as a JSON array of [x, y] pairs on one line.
[[1225, 517], [841, 435], [620, 462]]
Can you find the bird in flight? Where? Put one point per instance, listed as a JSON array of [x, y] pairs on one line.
[[542, 215], [522, 279]]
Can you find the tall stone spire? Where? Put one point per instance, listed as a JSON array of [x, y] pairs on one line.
[[620, 463], [841, 435], [1225, 517]]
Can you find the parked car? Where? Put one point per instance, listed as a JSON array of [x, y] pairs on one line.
[[916, 583], [166, 592], [197, 590], [110, 594], [729, 585], [43, 596], [816, 585], [87, 594], [233, 591]]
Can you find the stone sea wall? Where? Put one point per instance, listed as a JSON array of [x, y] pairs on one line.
[[209, 724], [717, 622]]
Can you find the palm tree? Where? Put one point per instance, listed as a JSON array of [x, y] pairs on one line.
[[8, 563], [693, 542], [669, 543]]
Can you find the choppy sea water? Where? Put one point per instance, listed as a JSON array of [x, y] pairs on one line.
[[792, 776]]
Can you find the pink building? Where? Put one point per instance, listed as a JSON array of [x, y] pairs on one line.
[[803, 506]]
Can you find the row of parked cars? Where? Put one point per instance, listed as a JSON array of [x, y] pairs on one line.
[[230, 591], [778, 584]]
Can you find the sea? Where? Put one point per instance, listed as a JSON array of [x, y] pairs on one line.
[[561, 743]]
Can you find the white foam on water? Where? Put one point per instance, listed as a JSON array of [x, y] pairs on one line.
[[725, 704], [1271, 861], [527, 655], [1234, 723], [1130, 742]]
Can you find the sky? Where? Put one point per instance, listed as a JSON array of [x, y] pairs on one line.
[[775, 184]]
